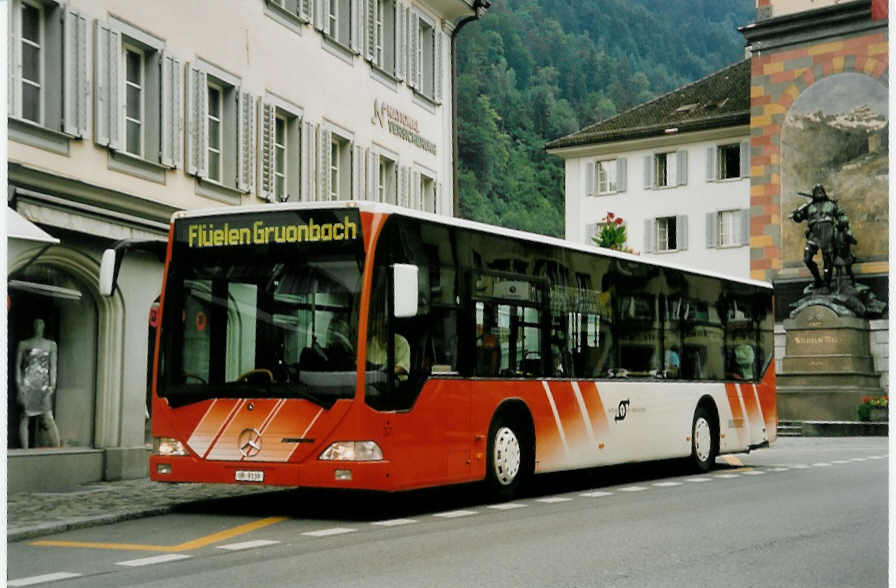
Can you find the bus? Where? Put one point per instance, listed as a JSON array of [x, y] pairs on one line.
[[362, 345]]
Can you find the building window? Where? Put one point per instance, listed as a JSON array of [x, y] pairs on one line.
[[729, 161], [728, 227], [340, 161], [726, 162], [428, 194], [214, 131], [339, 21], [606, 176], [134, 100], [379, 31], [280, 171], [382, 177], [381, 181], [425, 57], [32, 51], [666, 234], [661, 173], [280, 158], [663, 170]]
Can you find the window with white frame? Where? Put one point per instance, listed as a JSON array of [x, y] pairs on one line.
[[341, 166], [291, 13], [727, 228], [48, 84], [428, 194], [382, 176], [340, 161], [662, 170], [425, 57], [382, 35], [340, 21], [666, 233], [604, 177], [137, 94], [220, 132], [280, 156], [728, 161]]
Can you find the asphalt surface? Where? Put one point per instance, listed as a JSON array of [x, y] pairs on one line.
[[806, 512]]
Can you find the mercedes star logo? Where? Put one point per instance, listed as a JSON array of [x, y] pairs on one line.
[[250, 442]]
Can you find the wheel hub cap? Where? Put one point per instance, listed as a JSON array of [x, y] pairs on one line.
[[702, 439], [507, 456]]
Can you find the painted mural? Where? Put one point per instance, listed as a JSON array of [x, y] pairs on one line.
[[836, 135]]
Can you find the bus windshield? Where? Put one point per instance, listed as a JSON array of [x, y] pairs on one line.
[[277, 321]]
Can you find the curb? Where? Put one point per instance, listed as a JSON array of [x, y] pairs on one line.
[[21, 534]]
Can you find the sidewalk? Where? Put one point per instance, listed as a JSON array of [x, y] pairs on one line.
[[32, 514]]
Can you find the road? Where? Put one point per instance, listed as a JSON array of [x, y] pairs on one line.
[[806, 512]]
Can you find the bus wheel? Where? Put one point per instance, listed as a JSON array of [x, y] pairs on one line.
[[704, 446], [505, 458]]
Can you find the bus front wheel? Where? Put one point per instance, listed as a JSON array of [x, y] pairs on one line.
[[704, 444], [506, 458]]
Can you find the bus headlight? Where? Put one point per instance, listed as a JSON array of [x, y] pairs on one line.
[[168, 446], [352, 451]]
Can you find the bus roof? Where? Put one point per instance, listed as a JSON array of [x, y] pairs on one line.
[[383, 208]]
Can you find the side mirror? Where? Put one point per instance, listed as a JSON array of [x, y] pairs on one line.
[[108, 271], [405, 290]]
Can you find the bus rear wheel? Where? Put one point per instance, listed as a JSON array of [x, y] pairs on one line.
[[506, 458], [704, 442]]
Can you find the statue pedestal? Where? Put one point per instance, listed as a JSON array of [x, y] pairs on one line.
[[827, 366]]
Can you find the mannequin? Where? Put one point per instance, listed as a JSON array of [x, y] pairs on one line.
[[36, 382]]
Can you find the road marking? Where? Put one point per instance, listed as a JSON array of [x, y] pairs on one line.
[[732, 461], [753, 473], [44, 578], [248, 544], [727, 476], [394, 522], [155, 559], [595, 494], [633, 488], [779, 469], [453, 514], [187, 546], [697, 479], [884, 456], [858, 459], [552, 500], [821, 464], [799, 466], [840, 461], [329, 532], [508, 506], [667, 484]]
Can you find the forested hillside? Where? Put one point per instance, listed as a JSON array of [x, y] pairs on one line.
[[534, 70]]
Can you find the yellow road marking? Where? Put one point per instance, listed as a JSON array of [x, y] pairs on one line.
[[187, 546], [732, 461]]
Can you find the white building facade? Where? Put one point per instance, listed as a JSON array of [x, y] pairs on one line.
[[681, 182], [121, 113]]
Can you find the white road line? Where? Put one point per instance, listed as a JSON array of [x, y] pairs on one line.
[[858, 459], [148, 561], [394, 522], [453, 514], [820, 464], [552, 499], [667, 484], [329, 532], [753, 473], [248, 544], [727, 476], [779, 469], [840, 461], [508, 506], [595, 494], [799, 466], [878, 456], [633, 488], [697, 479], [44, 578]]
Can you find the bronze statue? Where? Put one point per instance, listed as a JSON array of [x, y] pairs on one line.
[[822, 214], [843, 256]]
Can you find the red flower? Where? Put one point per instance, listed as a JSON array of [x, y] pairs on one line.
[[866, 399], [610, 216], [618, 221]]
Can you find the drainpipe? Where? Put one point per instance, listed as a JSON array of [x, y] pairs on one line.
[[479, 8]]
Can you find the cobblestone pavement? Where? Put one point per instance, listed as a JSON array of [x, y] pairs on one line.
[[32, 514]]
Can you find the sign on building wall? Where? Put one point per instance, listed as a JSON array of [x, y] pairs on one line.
[[401, 125]]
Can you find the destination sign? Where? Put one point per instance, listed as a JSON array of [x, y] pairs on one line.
[[284, 228]]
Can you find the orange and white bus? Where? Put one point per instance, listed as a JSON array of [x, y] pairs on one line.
[[361, 345]]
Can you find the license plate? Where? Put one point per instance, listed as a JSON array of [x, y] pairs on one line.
[[249, 476]]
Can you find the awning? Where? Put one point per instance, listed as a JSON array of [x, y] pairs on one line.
[[24, 237]]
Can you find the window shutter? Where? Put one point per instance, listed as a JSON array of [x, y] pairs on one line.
[[107, 112], [11, 62], [358, 173], [197, 133], [416, 195], [398, 32], [621, 174], [648, 171], [413, 40], [590, 177], [712, 230], [76, 88], [266, 127], [745, 159], [307, 162], [437, 198], [245, 168], [711, 155], [305, 10], [682, 160], [681, 229], [403, 186], [437, 57], [320, 13], [357, 29], [370, 19], [744, 226], [649, 235], [373, 176], [171, 120], [325, 158]]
